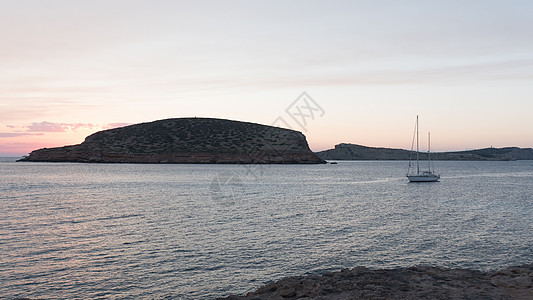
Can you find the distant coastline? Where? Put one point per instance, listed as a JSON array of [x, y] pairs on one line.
[[346, 151], [10, 158]]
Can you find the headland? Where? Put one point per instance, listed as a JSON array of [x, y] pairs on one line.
[[187, 140], [346, 151]]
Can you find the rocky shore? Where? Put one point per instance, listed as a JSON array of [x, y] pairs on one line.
[[419, 282]]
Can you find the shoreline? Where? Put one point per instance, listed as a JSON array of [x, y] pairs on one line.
[[418, 282]]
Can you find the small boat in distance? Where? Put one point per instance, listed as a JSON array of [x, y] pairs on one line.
[[420, 176]]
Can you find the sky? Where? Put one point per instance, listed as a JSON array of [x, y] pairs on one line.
[[338, 71]]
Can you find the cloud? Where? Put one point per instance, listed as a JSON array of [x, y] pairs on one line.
[[115, 125], [16, 134], [517, 70], [42, 127], [58, 127], [22, 148]]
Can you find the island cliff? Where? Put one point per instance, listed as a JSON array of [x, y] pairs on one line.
[[187, 140]]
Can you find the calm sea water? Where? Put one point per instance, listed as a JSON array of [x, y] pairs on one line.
[[81, 231]]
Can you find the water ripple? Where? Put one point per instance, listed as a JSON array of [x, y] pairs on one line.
[[160, 231]]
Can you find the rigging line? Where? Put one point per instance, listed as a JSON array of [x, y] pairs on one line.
[[411, 152], [417, 148]]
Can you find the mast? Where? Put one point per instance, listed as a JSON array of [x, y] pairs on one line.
[[429, 152], [417, 155]]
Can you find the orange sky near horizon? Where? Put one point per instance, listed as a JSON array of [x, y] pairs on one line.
[[71, 68]]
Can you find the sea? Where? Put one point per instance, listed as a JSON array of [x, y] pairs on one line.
[[179, 231]]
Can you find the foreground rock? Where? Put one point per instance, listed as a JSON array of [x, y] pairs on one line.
[[403, 283], [187, 140], [358, 152]]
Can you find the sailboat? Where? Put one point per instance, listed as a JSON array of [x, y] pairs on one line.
[[421, 176]]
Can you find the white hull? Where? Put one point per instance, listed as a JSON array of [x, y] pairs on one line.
[[423, 178]]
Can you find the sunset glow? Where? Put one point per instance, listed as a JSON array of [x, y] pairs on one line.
[[71, 68]]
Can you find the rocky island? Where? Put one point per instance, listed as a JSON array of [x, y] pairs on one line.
[[418, 282], [357, 152], [187, 140]]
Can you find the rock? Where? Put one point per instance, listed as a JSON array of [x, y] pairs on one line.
[[187, 140], [419, 282]]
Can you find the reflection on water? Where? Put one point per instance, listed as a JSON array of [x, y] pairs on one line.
[[201, 231]]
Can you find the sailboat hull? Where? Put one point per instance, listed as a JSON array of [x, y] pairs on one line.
[[423, 178]]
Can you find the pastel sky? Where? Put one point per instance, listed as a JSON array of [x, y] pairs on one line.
[[70, 68]]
